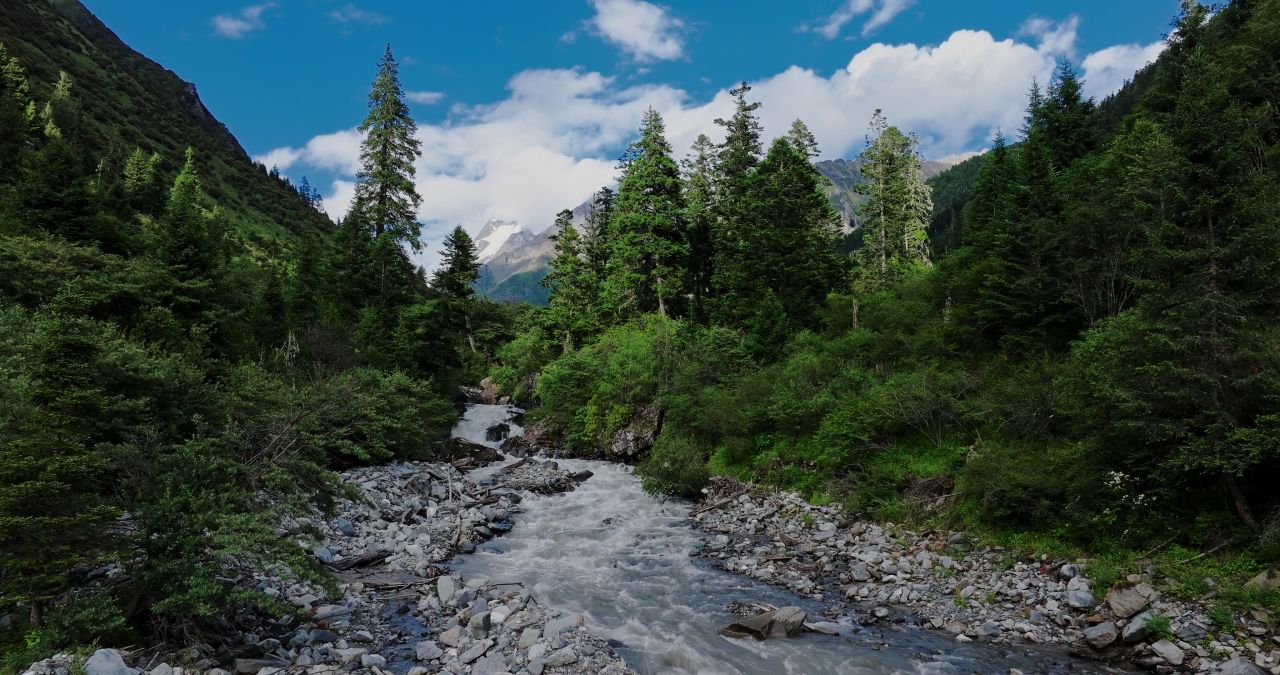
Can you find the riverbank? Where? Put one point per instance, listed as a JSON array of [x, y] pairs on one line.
[[397, 607], [940, 580]]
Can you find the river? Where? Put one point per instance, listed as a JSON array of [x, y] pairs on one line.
[[621, 559]]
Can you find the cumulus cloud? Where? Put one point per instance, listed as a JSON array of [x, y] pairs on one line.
[[353, 14], [247, 20], [645, 31], [425, 97], [1053, 37], [881, 11], [555, 136], [1107, 70]]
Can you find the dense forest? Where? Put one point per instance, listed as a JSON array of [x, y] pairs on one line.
[[1068, 343], [175, 382]]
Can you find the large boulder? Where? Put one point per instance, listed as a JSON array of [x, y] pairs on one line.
[[1101, 635], [107, 662], [1125, 601], [488, 391], [637, 437], [1268, 580], [1136, 630], [458, 449], [497, 432], [781, 622]]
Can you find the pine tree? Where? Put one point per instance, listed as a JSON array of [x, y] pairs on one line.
[[15, 127], [803, 140], [896, 213], [793, 235], [52, 514], [649, 249], [61, 114], [736, 159], [570, 311], [698, 171], [386, 199], [457, 275]]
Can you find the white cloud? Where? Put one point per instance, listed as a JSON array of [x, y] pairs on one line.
[[1108, 69], [554, 138], [425, 97], [354, 14], [249, 19], [645, 31], [884, 12], [1056, 38]]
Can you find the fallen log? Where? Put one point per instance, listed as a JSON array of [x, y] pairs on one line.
[[363, 560]]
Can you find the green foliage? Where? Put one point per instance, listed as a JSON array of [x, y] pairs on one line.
[[675, 466]]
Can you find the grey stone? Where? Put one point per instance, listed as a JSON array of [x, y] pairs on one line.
[[988, 629], [344, 526], [321, 636], [781, 622], [428, 651], [1238, 666], [1169, 652], [445, 588], [562, 657], [373, 661], [106, 662], [1125, 601], [252, 666], [492, 664], [476, 651], [1266, 580], [557, 625], [362, 636], [1069, 571], [1081, 599], [348, 655], [162, 669], [1136, 630], [529, 637], [451, 637], [331, 612], [323, 554], [1101, 635], [479, 625]]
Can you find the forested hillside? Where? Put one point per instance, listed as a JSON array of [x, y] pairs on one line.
[[186, 355], [127, 102], [1083, 357]]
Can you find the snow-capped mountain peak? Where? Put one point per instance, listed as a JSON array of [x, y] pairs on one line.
[[495, 234]]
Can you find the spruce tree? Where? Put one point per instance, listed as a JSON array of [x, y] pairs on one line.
[[386, 199], [700, 213], [895, 216], [570, 312], [455, 279], [736, 159], [792, 235], [649, 248]]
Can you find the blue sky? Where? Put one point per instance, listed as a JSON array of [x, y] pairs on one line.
[[524, 105]]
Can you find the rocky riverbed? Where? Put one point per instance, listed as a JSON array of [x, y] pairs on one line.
[[941, 580], [399, 608]]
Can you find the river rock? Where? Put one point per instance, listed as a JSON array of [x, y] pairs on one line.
[[445, 588], [373, 661], [427, 651], [1125, 601], [451, 637], [497, 432], [1267, 580], [1169, 652], [479, 625], [1136, 630], [476, 651], [1101, 635], [1081, 599], [107, 662], [488, 391], [638, 436], [781, 622], [562, 657], [349, 654], [1238, 666]]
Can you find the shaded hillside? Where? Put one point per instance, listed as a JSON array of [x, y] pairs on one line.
[[129, 101]]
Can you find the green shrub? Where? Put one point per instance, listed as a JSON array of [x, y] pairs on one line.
[[676, 466]]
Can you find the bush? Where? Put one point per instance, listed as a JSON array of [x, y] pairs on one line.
[[676, 466]]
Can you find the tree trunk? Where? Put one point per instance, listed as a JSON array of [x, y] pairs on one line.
[[471, 338], [662, 305], [37, 613], [855, 314], [1241, 504]]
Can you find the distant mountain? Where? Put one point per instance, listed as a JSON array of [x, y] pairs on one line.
[[513, 260], [129, 101]]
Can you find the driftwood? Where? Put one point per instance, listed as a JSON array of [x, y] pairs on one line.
[[711, 507], [364, 560]]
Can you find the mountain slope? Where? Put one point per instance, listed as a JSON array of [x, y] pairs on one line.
[[130, 101]]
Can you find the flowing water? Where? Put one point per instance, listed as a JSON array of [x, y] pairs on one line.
[[620, 558]]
